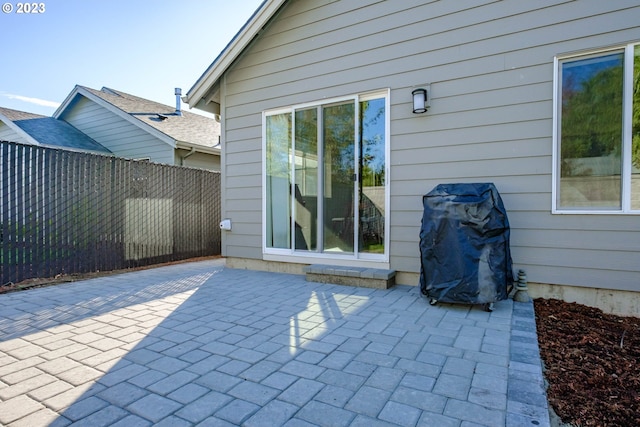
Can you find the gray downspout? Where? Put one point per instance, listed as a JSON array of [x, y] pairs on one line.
[[193, 151]]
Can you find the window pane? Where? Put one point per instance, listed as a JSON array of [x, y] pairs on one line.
[[372, 177], [635, 131], [591, 133], [306, 179], [278, 204], [339, 146]]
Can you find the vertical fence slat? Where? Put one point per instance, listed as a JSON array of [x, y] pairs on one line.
[[116, 213], [76, 225], [42, 187], [21, 255], [97, 205], [62, 217], [50, 171], [32, 212], [45, 217], [7, 275]]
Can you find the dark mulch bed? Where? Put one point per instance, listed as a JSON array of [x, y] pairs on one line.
[[592, 363]]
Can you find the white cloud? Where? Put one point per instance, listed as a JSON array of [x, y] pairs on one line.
[[37, 101]]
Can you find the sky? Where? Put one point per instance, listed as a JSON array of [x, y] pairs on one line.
[[142, 47]]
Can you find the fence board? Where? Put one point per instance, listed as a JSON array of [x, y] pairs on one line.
[[31, 214], [5, 236], [66, 212], [42, 186]]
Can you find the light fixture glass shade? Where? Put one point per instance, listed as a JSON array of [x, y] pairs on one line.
[[419, 100]]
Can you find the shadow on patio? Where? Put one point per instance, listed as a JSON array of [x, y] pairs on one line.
[[201, 344], [41, 309], [229, 342]]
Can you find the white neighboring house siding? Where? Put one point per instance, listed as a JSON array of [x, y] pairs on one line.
[[118, 135], [197, 160], [490, 65], [8, 134]]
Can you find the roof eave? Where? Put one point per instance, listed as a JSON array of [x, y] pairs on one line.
[[231, 52], [17, 129], [65, 104], [79, 90]]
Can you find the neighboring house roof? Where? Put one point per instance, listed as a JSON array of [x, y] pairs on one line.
[[188, 130], [48, 131], [204, 94]]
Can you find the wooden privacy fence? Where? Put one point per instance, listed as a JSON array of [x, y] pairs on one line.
[[65, 212]]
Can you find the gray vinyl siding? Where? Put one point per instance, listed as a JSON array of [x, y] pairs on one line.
[[490, 65], [8, 134], [117, 134]]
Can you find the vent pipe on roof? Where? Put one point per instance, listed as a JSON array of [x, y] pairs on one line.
[[178, 92]]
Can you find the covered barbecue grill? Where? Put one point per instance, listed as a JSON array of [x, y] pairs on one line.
[[464, 245]]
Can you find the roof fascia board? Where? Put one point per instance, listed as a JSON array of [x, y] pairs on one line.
[[79, 90], [65, 104], [17, 129], [233, 50]]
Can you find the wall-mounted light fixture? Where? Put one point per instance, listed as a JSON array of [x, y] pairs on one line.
[[421, 100]]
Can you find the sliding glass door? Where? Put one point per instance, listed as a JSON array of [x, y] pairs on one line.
[[325, 169]]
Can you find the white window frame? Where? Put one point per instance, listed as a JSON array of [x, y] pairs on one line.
[[357, 258], [626, 131]]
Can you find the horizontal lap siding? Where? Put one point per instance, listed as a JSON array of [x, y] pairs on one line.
[[118, 135], [8, 134], [197, 160], [490, 65]]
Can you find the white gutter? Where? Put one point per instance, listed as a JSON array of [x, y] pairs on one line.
[[198, 148]]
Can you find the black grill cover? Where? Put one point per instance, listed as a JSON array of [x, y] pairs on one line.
[[464, 244]]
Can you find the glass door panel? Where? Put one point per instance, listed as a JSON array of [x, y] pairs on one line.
[[372, 209], [338, 130], [306, 180], [278, 205]]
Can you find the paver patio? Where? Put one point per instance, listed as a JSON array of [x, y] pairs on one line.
[[202, 344]]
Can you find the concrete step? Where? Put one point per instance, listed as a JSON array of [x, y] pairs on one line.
[[364, 277]]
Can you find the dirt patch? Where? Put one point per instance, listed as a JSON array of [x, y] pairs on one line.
[[592, 363], [65, 278]]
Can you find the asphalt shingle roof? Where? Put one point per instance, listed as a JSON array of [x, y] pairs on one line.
[[52, 132], [189, 128]]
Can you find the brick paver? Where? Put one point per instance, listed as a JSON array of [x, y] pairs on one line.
[[201, 344]]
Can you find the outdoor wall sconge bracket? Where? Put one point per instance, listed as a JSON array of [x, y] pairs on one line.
[[421, 99]]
